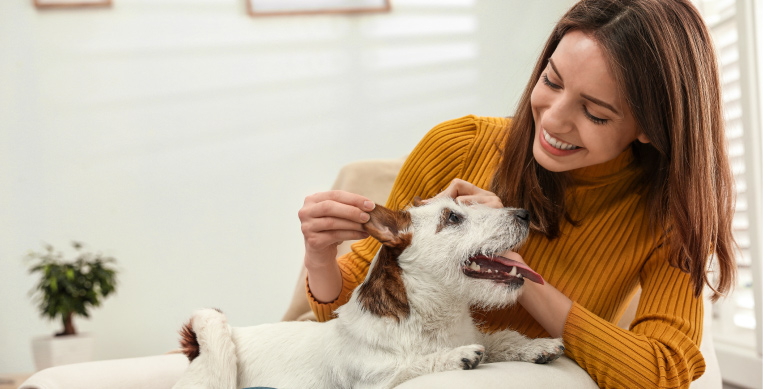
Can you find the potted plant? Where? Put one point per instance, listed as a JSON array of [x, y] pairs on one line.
[[67, 288]]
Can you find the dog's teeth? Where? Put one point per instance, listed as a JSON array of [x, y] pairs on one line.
[[520, 276], [513, 272], [474, 266]]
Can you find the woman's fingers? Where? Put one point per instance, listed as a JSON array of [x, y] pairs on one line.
[[332, 209], [459, 187], [341, 197], [330, 218], [489, 200], [330, 239], [513, 256], [339, 204], [469, 193], [330, 224]]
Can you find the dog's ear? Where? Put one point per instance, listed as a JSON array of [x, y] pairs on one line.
[[383, 292], [386, 225]]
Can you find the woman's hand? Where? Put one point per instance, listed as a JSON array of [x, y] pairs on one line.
[[544, 302], [468, 193], [330, 218]]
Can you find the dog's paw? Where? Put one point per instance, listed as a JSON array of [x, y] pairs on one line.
[[545, 350], [463, 358]]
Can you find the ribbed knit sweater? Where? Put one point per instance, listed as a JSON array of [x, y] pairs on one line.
[[599, 263]]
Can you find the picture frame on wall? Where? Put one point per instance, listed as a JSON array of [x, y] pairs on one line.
[[314, 7], [71, 3]]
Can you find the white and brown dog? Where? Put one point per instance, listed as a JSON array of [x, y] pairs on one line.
[[411, 316]]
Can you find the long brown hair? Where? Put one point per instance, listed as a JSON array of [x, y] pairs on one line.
[[663, 59]]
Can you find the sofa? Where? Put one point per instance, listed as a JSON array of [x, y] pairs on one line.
[[373, 179]]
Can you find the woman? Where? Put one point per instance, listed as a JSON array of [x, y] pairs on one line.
[[617, 149]]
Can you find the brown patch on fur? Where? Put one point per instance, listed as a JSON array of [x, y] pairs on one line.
[[443, 220], [383, 293], [189, 345]]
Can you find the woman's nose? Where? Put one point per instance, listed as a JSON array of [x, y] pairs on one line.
[[558, 117]]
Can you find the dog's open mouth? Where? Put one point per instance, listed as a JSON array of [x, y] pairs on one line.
[[500, 269]]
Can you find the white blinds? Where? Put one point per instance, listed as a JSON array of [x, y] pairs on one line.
[[735, 317]]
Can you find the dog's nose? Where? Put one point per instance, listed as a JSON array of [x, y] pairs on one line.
[[523, 215]]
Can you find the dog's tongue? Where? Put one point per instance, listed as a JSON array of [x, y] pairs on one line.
[[521, 268]]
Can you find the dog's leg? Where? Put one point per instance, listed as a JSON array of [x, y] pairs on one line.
[[214, 367], [512, 346], [460, 358]]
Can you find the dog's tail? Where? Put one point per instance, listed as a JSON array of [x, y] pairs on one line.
[[207, 342], [189, 345]]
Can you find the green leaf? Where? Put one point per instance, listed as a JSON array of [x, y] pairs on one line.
[[70, 286]]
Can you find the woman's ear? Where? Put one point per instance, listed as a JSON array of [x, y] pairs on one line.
[[643, 138]]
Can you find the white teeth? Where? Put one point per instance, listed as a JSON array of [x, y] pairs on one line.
[[513, 272], [558, 144], [474, 266]]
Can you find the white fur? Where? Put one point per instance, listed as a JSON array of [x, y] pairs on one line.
[[362, 350]]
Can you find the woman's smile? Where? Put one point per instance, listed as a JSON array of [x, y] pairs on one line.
[[556, 146]]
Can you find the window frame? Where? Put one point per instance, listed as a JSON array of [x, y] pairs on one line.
[[741, 362]]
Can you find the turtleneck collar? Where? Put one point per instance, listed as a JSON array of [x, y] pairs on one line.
[[606, 172]]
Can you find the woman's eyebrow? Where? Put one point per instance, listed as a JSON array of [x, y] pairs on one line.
[[551, 63], [601, 103], [590, 98]]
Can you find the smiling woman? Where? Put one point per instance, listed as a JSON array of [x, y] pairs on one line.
[[574, 129], [617, 151], [654, 63]]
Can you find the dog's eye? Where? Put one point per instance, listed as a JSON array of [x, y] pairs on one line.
[[454, 218]]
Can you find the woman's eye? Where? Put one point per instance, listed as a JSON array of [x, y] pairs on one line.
[[454, 218], [548, 83], [593, 118]]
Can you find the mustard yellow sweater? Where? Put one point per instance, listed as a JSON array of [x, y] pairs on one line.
[[599, 264]]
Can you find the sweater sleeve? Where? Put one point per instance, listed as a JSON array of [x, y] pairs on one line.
[[660, 350], [437, 159]]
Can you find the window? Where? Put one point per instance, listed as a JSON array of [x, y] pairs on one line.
[[737, 319]]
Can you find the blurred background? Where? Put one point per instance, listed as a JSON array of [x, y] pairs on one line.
[[181, 137]]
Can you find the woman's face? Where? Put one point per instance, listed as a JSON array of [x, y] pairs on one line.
[[581, 117]]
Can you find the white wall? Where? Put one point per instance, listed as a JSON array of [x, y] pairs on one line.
[[182, 136]]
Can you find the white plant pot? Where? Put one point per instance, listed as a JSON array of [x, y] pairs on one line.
[[52, 351]]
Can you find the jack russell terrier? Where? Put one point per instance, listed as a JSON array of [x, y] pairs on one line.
[[410, 317]]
